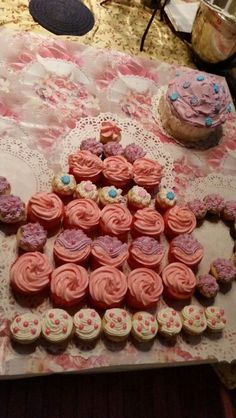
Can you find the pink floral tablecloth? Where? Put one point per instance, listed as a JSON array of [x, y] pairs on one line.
[[46, 87]]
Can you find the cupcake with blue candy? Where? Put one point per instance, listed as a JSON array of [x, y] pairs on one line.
[[165, 199], [63, 184]]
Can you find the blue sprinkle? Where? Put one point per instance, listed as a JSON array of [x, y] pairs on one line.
[[208, 121], [170, 195], [194, 100], [186, 84], [65, 179], [112, 193], [177, 74], [174, 96], [200, 78], [216, 88], [229, 108]]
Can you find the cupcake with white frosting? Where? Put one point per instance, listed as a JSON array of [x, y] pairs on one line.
[[87, 325], [116, 324], [86, 190], [57, 326], [26, 328], [138, 198]]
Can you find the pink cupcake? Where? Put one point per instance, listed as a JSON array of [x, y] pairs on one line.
[[229, 211], [85, 166], [186, 249], [144, 288], [214, 203], [12, 209], [179, 220], [133, 151], [198, 207], [92, 145], [179, 281], [207, 286], [223, 270], [109, 251], [31, 237], [109, 132], [117, 171], [72, 246], [82, 214], [47, 209], [112, 149], [147, 222], [115, 220], [147, 173], [145, 252]]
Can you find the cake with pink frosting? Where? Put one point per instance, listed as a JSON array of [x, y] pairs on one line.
[[72, 246], [186, 249], [194, 106], [207, 285], [223, 270], [215, 203], [144, 288], [109, 131], [112, 148], [31, 237], [145, 252], [92, 145], [12, 209], [133, 151], [109, 251], [198, 207], [229, 211]]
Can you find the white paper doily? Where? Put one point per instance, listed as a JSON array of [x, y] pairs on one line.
[[121, 85], [132, 131], [213, 183]]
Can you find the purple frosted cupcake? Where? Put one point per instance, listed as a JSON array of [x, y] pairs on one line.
[[133, 151], [110, 149], [215, 203], [72, 246], [223, 270], [31, 237], [207, 285], [145, 252], [92, 145], [108, 251], [229, 211], [198, 207], [5, 187], [12, 209]]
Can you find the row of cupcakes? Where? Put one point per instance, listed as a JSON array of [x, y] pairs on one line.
[[57, 326]]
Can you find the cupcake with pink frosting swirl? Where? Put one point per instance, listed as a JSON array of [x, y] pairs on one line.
[[85, 166], [133, 151], [223, 270], [72, 246], [117, 171], [147, 222], [109, 131], [229, 211], [112, 148], [144, 288], [198, 207], [82, 214], [115, 220], [215, 203], [145, 252], [207, 286], [47, 209], [179, 281], [186, 249], [179, 220], [92, 145], [147, 173], [109, 251]]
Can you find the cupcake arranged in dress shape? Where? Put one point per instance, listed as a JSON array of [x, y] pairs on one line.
[[169, 322], [69, 284], [57, 326], [147, 173], [63, 184], [109, 131], [186, 249], [107, 287], [198, 207], [165, 199], [30, 273], [72, 246], [116, 324], [5, 187], [138, 198], [87, 324], [47, 209], [147, 222], [26, 328], [110, 194], [85, 166], [92, 145], [207, 286], [194, 320], [215, 203], [115, 220], [215, 318], [82, 214], [179, 281], [144, 326], [144, 288], [223, 270], [110, 149], [133, 151], [31, 237], [117, 171], [179, 220], [193, 107], [229, 211], [109, 251], [145, 252], [12, 209], [86, 190]]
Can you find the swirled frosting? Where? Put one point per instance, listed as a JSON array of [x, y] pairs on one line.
[[133, 151], [139, 197], [169, 322], [207, 285], [186, 249], [144, 288], [144, 326], [69, 284], [86, 190], [92, 145], [179, 220], [31, 237], [215, 318], [112, 148], [31, 272], [46, 208], [215, 203], [117, 170], [110, 194], [87, 324], [110, 132], [84, 165], [230, 210], [198, 98], [147, 172], [26, 328], [12, 209], [148, 221], [82, 213], [117, 323], [72, 246], [223, 270], [57, 325], [179, 280], [5, 187], [194, 320], [165, 198], [146, 251], [64, 184], [115, 219], [107, 287], [109, 251], [198, 207]]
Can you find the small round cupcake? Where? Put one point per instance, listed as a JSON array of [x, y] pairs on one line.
[[72, 246], [179, 220], [63, 184], [57, 326], [215, 203], [107, 287], [5, 187], [109, 251], [179, 281], [30, 273], [144, 326], [194, 320], [116, 324], [31, 237], [92, 145], [147, 222], [115, 220], [110, 194], [145, 252], [109, 131], [186, 249], [26, 328], [12, 209], [199, 208], [85, 166], [112, 148], [47, 209], [144, 288], [69, 284], [215, 318], [82, 214], [87, 324], [229, 211], [133, 151], [170, 322], [165, 199], [223, 270], [138, 198], [207, 286], [147, 173], [117, 171], [87, 190]]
